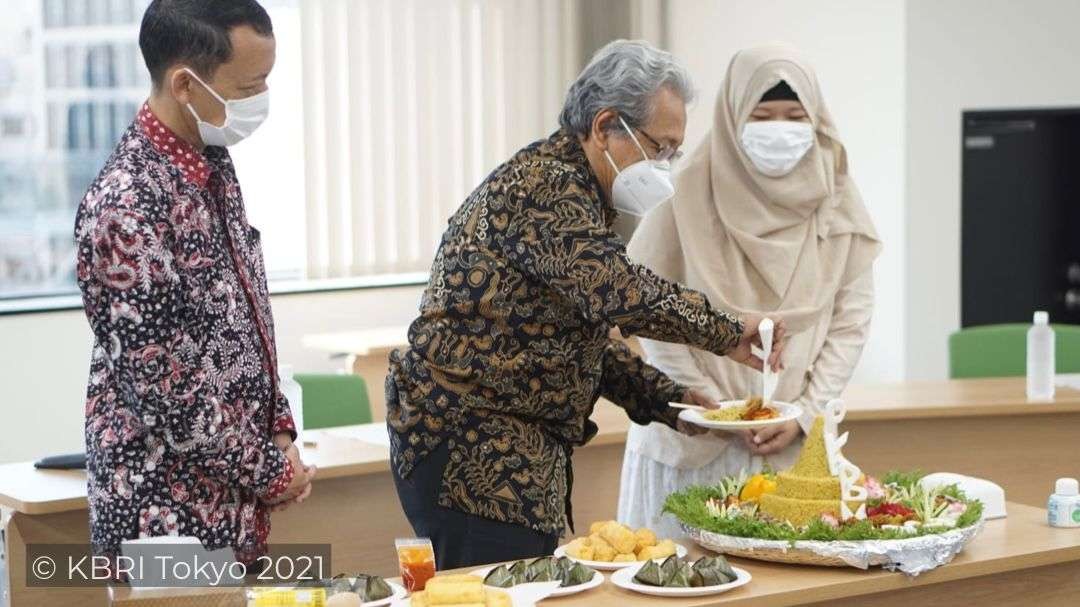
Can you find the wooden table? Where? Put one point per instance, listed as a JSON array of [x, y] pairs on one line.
[[1018, 561], [980, 427], [1015, 561]]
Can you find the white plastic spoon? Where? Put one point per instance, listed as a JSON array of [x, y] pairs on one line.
[[768, 379], [686, 406]]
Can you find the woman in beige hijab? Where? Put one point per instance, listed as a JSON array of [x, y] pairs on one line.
[[765, 219]]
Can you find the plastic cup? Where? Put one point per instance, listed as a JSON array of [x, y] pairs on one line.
[[416, 561]]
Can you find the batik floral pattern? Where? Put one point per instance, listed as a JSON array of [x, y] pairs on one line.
[[182, 400], [511, 349]]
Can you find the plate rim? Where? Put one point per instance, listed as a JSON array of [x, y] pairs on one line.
[[693, 416], [561, 591], [680, 551], [743, 577]]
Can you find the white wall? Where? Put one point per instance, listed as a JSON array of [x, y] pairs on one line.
[[44, 360], [966, 54], [857, 48]]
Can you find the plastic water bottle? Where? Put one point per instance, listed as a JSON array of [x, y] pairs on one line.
[[1040, 359], [295, 395], [1063, 507]]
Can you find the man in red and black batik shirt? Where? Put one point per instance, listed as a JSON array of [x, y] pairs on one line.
[[187, 431]]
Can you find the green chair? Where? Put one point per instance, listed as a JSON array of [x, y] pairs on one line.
[[1001, 350], [334, 400]]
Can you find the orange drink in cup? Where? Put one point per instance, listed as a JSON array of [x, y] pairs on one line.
[[416, 561]]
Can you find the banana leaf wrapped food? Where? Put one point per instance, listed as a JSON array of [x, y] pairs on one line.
[[563, 564], [518, 571], [500, 577], [668, 568], [375, 588], [367, 587], [576, 575], [671, 573], [650, 574], [712, 571], [338, 584], [544, 569], [674, 572], [680, 578]]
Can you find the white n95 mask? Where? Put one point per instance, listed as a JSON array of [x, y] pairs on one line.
[[242, 117], [775, 147], [640, 187]]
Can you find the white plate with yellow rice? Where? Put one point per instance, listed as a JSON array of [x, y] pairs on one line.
[[726, 417]]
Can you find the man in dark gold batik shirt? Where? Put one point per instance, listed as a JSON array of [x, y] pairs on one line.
[[512, 350]]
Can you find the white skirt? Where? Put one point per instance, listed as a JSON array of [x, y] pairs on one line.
[[646, 483]]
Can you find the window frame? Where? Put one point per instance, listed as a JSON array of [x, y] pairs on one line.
[[68, 302]]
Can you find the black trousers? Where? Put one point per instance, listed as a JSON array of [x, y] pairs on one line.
[[460, 539]]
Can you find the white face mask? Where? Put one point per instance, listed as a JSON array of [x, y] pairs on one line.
[[775, 147], [242, 117], [640, 187]]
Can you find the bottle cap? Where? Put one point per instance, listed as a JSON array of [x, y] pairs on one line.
[[1067, 486], [1042, 318]]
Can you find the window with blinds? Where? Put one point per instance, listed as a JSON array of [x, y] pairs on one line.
[[407, 105], [385, 115]]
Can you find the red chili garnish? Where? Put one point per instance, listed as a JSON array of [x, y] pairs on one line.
[[890, 510]]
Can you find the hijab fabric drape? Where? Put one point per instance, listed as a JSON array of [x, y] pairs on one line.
[[753, 243]]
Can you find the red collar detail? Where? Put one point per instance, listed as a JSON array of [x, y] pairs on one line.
[[192, 164]]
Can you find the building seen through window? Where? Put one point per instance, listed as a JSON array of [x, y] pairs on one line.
[[71, 79]]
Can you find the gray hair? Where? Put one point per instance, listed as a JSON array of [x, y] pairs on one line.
[[623, 76]]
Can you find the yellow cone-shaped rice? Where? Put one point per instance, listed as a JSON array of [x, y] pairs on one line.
[[813, 460], [807, 490]]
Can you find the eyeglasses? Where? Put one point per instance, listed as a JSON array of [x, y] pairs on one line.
[[663, 152]]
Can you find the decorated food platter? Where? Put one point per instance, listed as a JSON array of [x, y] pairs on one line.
[[825, 511], [910, 555]]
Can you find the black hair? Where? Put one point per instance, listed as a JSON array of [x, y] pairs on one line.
[[195, 32], [781, 92]]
